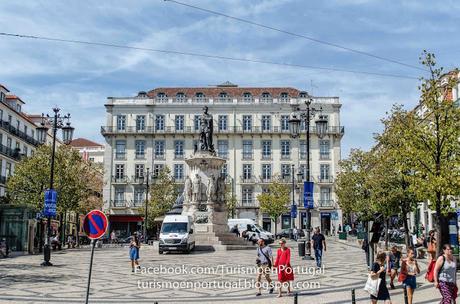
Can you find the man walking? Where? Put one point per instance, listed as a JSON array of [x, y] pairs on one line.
[[264, 265], [295, 233], [319, 243]]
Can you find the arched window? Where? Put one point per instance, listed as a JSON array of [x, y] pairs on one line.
[[266, 97], [247, 97], [180, 97], [303, 94], [284, 97], [223, 97], [162, 97], [200, 97]]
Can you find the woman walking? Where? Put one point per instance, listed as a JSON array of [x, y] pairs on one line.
[[409, 271], [378, 269], [445, 275], [284, 269], [134, 251], [393, 264]]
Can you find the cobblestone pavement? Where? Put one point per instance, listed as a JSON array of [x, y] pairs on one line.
[[22, 280]]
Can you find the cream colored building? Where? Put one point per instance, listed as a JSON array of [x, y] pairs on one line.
[[251, 130], [89, 150]]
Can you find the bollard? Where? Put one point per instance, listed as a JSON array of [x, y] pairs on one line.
[[295, 297], [406, 300], [353, 297]]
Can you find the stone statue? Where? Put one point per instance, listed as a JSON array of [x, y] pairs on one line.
[[221, 189], [196, 188], [211, 191], [188, 189], [206, 130]]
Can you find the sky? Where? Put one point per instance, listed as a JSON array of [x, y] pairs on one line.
[[79, 78]]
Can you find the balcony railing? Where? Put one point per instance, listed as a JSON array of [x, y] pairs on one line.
[[285, 156], [248, 156], [120, 155], [266, 156], [119, 179], [5, 125], [12, 153], [179, 156], [120, 203], [325, 156], [179, 180], [136, 179], [248, 204], [326, 203], [223, 155], [247, 180], [159, 156], [265, 179], [325, 179], [140, 155]]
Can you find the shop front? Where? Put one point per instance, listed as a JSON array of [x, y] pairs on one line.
[[125, 225]]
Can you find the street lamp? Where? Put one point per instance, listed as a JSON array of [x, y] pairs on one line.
[[294, 125], [141, 182], [57, 122]]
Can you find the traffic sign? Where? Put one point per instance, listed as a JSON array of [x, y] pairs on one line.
[[49, 208], [95, 224]]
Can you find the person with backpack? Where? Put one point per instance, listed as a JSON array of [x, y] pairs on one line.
[[264, 263], [409, 271], [445, 275]]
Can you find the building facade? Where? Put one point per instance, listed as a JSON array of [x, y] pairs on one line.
[[251, 131], [89, 150]]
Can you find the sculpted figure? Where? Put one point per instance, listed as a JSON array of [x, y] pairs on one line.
[[221, 189], [196, 188], [206, 130], [188, 189], [211, 191]]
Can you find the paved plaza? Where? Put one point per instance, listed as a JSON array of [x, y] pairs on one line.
[[24, 281]]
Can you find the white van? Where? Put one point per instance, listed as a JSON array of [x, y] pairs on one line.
[[254, 233], [176, 234]]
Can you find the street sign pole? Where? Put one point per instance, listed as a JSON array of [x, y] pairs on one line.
[[93, 243]]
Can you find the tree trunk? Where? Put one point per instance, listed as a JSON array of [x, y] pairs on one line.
[[387, 236], [406, 232], [442, 227], [275, 220], [77, 237]]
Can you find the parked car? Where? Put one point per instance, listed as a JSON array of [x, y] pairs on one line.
[[285, 233], [252, 231]]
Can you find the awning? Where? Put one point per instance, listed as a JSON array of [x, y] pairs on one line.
[[125, 218]]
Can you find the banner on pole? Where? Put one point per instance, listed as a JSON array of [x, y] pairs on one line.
[[49, 208], [308, 195]]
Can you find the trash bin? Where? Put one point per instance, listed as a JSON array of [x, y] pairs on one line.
[[342, 235], [301, 244]]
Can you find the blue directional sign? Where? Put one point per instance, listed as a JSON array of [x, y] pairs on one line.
[[293, 211], [308, 195], [50, 203]]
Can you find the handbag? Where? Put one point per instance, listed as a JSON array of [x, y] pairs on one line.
[[372, 285], [403, 274], [430, 271]]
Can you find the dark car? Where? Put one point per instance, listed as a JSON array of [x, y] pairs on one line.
[[285, 233]]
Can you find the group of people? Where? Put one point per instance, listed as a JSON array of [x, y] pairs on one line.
[[441, 272]]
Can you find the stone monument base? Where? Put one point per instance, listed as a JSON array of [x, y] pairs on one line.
[[215, 237]]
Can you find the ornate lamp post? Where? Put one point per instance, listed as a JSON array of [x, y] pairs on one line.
[[57, 122], [147, 186], [294, 126]]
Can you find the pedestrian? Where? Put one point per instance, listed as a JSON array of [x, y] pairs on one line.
[[295, 233], [235, 230], [333, 230], [113, 237], [445, 275], [431, 249], [264, 263], [284, 269], [393, 264], [378, 270], [340, 228], [319, 244], [409, 271], [134, 247]]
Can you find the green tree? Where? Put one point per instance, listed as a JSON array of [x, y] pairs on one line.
[[431, 144], [162, 195], [231, 200], [275, 202]]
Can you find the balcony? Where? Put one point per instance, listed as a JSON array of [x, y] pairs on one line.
[[140, 156], [179, 180], [11, 153], [179, 156], [5, 125], [266, 157], [247, 204], [138, 203], [136, 179], [265, 179], [120, 155], [159, 156], [120, 203], [223, 155], [247, 180], [119, 179], [285, 156], [326, 204], [325, 156], [325, 180], [248, 156]]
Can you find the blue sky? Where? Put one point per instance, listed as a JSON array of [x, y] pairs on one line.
[[79, 78]]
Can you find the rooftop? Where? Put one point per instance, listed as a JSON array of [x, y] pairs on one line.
[[83, 142]]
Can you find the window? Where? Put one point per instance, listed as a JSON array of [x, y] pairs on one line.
[[18, 125], [178, 149], [32, 133], [224, 171], [1, 111], [247, 97], [247, 122], [119, 171], [303, 171], [266, 172], [222, 148], [247, 195], [140, 122], [119, 197], [162, 97], [139, 171], [284, 123], [120, 149], [180, 97], [325, 194], [9, 142], [200, 97], [25, 129], [10, 119], [26, 150], [223, 97], [324, 171], [266, 97], [157, 169], [266, 122], [247, 171], [160, 122], [247, 149], [303, 95], [285, 171], [285, 149], [138, 196], [140, 148], [159, 148], [8, 169], [2, 99], [324, 147], [284, 97], [303, 149], [196, 122], [121, 122], [322, 127], [1, 140], [266, 149], [18, 146], [222, 122], [178, 171], [179, 122]]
